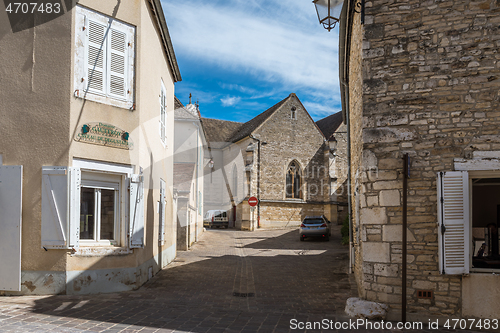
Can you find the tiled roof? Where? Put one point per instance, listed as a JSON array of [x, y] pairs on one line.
[[177, 103], [330, 124], [247, 128], [183, 176], [219, 130]]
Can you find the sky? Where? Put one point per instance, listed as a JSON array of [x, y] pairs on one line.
[[240, 57]]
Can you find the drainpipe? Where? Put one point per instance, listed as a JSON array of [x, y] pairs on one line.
[[258, 179], [345, 83]]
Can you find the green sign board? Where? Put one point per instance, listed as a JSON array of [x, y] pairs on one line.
[[103, 134]]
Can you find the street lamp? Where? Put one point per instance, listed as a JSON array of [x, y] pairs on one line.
[[325, 11], [332, 143]]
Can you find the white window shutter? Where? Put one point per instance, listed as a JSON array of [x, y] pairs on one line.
[[117, 70], [162, 212], [55, 207], [136, 213], [74, 208], [80, 72], [163, 112], [453, 222], [96, 55], [11, 181]]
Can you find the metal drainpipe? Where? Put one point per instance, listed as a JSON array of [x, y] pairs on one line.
[[345, 83], [258, 179]]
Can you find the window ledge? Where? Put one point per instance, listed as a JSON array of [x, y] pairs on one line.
[[100, 251]]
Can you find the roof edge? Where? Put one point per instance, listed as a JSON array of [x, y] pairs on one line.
[[167, 42]]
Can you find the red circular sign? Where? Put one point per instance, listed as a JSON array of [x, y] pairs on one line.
[[253, 201]]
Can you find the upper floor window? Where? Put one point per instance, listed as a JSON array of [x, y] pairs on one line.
[[293, 181], [104, 58], [293, 113], [163, 113]]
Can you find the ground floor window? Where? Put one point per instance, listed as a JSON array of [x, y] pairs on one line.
[[100, 213], [485, 204], [468, 221]]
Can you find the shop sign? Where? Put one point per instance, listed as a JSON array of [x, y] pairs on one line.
[[103, 134]]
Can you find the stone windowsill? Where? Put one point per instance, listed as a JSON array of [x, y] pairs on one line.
[[101, 251]]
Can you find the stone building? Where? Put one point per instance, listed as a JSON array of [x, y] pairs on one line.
[[86, 145], [281, 157], [421, 78]]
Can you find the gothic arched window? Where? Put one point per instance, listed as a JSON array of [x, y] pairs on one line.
[[293, 181]]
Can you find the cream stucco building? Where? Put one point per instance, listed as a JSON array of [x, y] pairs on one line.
[[86, 145]]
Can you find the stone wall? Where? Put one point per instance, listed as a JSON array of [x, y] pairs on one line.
[[430, 89]]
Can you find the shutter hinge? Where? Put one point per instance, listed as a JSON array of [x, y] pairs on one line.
[[443, 229]]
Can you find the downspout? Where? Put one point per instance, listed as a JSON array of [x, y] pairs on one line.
[[345, 82], [258, 179]]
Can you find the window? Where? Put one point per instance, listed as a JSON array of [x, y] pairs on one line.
[[104, 59], [293, 113], [99, 211], [92, 204], [163, 187], [163, 113], [293, 181], [468, 213]]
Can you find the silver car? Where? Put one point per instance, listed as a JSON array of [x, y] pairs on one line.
[[315, 226]]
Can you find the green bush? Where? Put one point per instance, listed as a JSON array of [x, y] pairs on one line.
[[344, 231]]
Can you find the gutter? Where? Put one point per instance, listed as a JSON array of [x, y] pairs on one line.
[[344, 80], [165, 36]]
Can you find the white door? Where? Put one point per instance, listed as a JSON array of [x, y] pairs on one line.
[[11, 179]]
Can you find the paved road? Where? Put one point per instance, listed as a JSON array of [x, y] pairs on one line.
[[231, 281]]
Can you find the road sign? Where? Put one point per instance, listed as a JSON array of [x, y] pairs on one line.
[[253, 201]]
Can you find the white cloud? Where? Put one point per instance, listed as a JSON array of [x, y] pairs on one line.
[[280, 42], [230, 100], [320, 110]]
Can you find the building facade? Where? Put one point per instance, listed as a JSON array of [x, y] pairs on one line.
[[281, 157], [189, 160], [422, 79], [86, 144]]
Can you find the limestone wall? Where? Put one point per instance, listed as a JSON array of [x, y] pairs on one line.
[[430, 89]]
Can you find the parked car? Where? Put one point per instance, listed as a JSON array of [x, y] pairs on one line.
[[216, 218], [315, 226]]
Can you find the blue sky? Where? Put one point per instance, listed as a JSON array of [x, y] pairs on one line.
[[240, 57]]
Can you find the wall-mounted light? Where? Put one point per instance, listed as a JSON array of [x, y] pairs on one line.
[[327, 12], [332, 143]]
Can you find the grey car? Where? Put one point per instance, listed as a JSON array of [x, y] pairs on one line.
[[315, 226]]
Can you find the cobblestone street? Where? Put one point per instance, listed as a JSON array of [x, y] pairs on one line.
[[231, 281]]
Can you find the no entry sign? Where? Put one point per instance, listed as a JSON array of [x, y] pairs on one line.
[[253, 201]]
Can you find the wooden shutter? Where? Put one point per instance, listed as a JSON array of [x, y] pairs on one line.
[[453, 222], [60, 207], [163, 112], [161, 235], [117, 73], [136, 213], [80, 68], [75, 184], [96, 55], [11, 178]]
